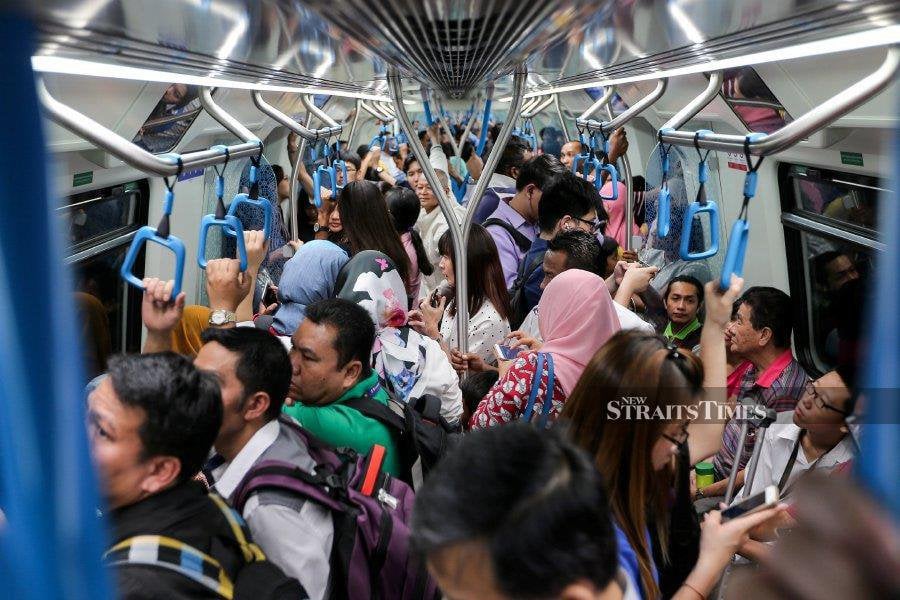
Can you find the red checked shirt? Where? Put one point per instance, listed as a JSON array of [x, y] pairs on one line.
[[506, 400], [779, 387]]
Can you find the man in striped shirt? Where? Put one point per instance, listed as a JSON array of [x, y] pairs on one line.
[[760, 332]]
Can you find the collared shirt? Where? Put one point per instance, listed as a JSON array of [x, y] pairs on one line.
[[687, 337], [778, 445], [342, 426], [297, 538], [510, 254], [778, 387]]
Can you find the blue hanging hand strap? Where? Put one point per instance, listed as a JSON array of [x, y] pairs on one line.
[[699, 206], [158, 235], [229, 224], [535, 387], [664, 208], [485, 125], [740, 231], [252, 198], [548, 397]]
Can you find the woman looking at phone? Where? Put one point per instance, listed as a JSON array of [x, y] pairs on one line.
[[488, 302], [665, 381]]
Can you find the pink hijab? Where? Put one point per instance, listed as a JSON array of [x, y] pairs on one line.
[[575, 317], [616, 211]]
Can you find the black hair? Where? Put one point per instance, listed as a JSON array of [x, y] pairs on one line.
[[566, 194], [182, 405], [475, 387], [278, 170], [404, 206], [409, 161], [486, 281], [772, 308], [820, 264], [368, 226], [355, 330], [513, 156], [582, 250], [362, 150], [262, 366], [538, 170], [532, 498], [350, 158], [690, 281]]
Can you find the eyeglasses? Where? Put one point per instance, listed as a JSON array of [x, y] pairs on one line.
[[595, 225], [820, 402], [680, 438]]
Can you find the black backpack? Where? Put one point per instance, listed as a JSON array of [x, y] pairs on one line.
[[257, 579], [520, 238], [518, 303], [425, 436]]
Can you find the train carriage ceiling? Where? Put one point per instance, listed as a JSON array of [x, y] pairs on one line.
[[453, 46]]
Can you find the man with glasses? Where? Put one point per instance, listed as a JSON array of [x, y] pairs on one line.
[[568, 203], [814, 436]]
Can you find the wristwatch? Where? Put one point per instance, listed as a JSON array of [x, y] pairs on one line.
[[221, 316], [317, 228]]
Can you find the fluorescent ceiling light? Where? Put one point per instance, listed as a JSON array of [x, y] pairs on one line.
[[854, 41], [73, 66]]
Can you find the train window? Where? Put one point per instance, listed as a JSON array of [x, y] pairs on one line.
[[170, 119], [830, 235], [752, 101], [101, 225]]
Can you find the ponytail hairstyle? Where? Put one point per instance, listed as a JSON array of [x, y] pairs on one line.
[[403, 204]]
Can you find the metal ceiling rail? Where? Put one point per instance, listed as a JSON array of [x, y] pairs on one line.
[[320, 114], [801, 127], [608, 92], [697, 104], [559, 115], [374, 111], [131, 154], [538, 108], [607, 127]]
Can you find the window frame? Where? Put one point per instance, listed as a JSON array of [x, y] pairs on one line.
[[796, 222]]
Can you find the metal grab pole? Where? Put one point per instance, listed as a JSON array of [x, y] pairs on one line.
[[519, 77], [603, 101], [225, 119], [802, 127], [630, 113], [562, 121], [353, 125], [318, 112], [111, 142], [446, 126], [306, 133], [537, 109], [395, 87], [468, 129], [697, 104], [374, 111], [629, 194]]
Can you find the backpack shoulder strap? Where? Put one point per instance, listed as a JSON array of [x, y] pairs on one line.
[[173, 555], [284, 476], [240, 531], [378, 411], [520, 238]]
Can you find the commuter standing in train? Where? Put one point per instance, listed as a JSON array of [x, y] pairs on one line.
[[683, 299], [514, 224], [502, 185]]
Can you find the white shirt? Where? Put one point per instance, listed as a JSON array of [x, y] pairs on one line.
[[431, 226], [777, 446], [627, 320], [486, 328], [440, 379], [297, 541]]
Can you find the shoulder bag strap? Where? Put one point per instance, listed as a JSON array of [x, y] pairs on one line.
[[535, 386], [548, 397], [518, 237], [786, 474]]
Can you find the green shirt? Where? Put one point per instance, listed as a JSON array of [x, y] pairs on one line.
[[342, 426]]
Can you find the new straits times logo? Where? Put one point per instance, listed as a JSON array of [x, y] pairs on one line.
[[635, 408]]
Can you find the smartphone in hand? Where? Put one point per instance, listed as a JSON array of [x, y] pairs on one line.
[[765, 499], [506, 352]]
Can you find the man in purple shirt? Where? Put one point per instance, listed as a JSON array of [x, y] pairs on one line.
[[514, 224], [502, 185]]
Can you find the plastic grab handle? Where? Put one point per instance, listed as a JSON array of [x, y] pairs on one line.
[[694, 209], [340, 165], [317, 183], [148, 234], [613, 179], [664, 212], [734, 256], [262, 204], [230, 225]]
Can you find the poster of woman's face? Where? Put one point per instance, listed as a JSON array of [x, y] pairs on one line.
[[169, 119]]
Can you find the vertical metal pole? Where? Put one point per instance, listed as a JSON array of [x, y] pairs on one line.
[[447, 205], [353, 125], [446, 126], [292, 201], [629, 193], [562, 121]]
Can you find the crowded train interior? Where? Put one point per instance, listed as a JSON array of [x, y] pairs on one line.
[[449, 299]]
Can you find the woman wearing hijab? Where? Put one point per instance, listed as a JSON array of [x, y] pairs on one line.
[[186, 335], [575, 317], [409, 365], [308, 276]]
